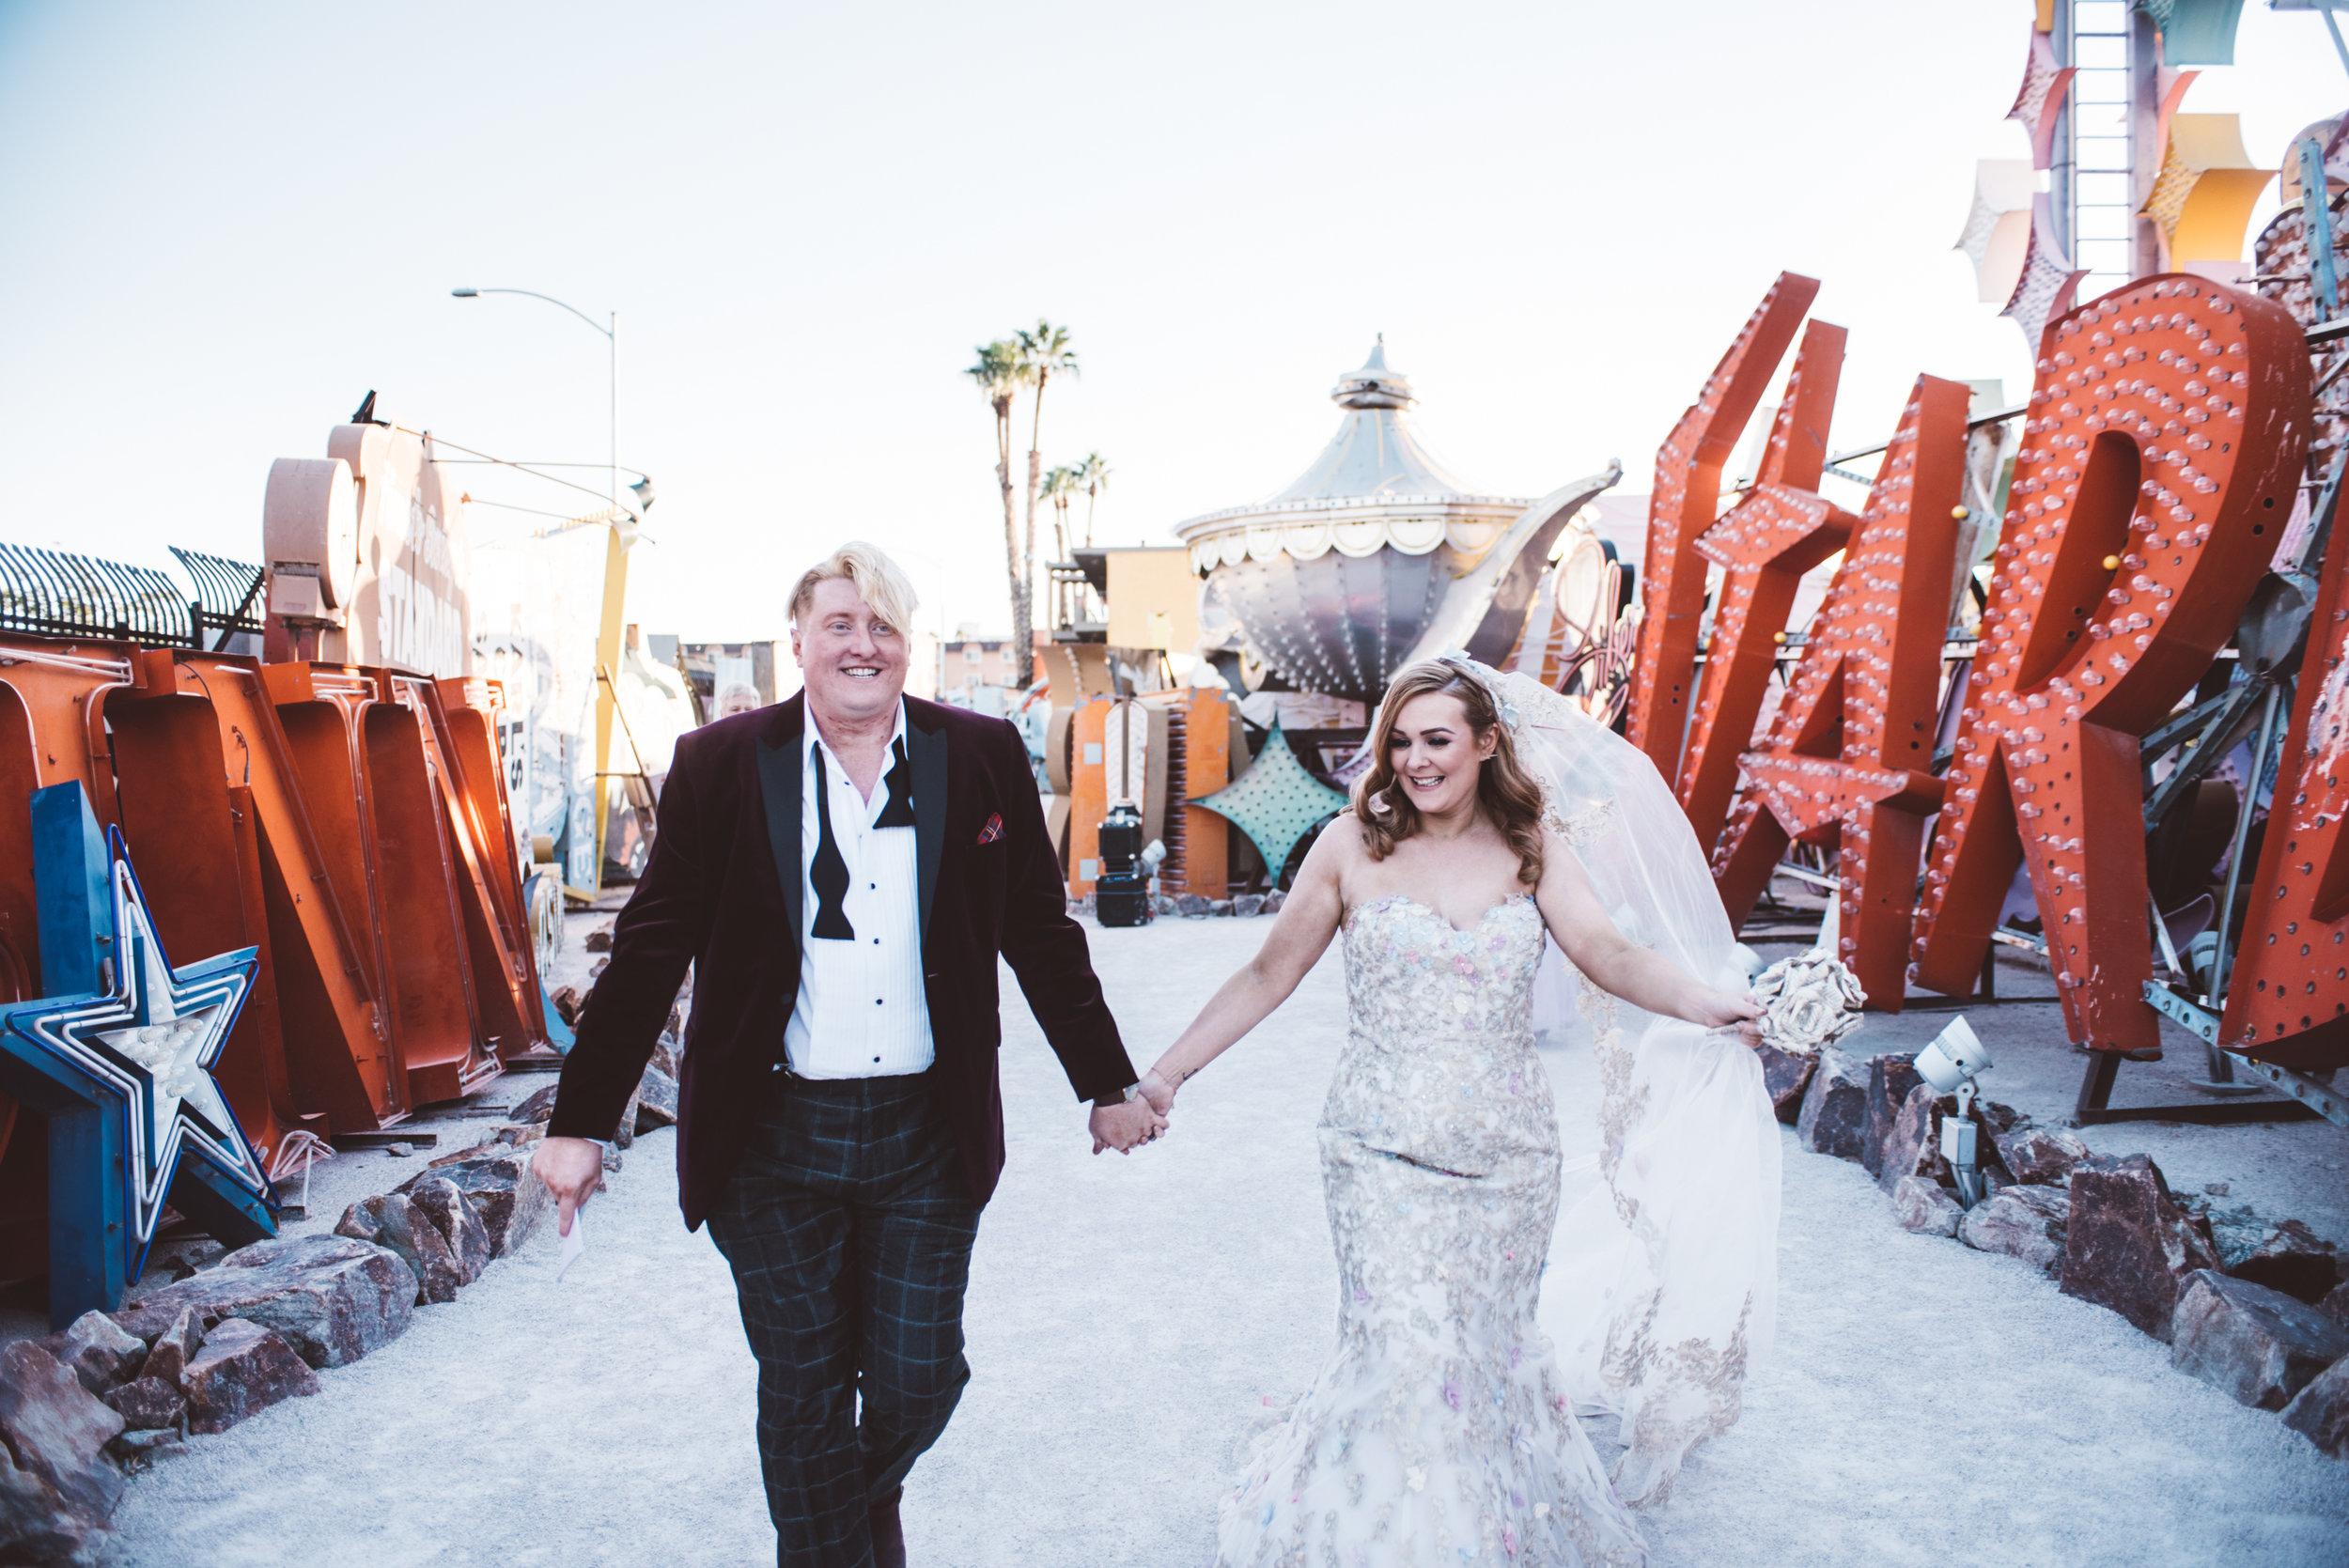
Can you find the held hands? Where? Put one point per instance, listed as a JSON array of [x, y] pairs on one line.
[[1140, 1120], [1126, 1127]]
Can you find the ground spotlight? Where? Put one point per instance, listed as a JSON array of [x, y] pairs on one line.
[[1950, 1062]]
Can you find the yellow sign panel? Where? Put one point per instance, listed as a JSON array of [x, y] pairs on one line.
[[1153, 599]]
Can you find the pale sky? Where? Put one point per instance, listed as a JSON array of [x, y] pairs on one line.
[[225, 222]]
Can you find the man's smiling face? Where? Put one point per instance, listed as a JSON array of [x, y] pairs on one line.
[[853, 662]]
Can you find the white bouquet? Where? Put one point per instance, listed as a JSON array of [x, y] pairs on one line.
[[1809, 1000]]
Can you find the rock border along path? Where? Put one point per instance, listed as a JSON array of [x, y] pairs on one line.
[[1129, 1319]]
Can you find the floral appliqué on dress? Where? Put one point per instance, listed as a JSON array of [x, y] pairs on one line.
[[1439, 1430]]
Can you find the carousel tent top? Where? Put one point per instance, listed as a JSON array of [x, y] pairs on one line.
[[1372, 466], [1374, 451]]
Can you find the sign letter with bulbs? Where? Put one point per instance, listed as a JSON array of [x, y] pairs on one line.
[[2156, 475]]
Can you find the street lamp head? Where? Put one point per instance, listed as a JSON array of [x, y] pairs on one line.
[[466, 293]]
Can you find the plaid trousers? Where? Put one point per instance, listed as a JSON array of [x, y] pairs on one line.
[[850, 1237]]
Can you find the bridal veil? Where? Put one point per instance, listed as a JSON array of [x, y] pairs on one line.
[[1661, 1291]]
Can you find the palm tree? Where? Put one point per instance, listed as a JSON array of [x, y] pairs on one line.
[[1060, 487], [1041, 355], [1092, 477], [999, 374]]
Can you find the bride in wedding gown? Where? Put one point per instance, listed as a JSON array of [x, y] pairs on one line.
[[1443, 1429]]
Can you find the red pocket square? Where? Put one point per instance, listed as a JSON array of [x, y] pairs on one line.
[[993, 830]]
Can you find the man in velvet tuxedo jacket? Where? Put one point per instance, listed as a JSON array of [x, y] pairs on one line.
[[841, 870]]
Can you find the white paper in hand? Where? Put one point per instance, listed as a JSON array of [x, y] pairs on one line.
[[573, 1245]]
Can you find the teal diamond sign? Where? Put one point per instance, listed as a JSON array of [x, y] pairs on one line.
[[1275, 802]]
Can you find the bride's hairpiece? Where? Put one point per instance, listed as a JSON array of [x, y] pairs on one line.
[[1459, 660]]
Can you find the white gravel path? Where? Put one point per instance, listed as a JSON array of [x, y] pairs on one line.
[[1128, 1318]]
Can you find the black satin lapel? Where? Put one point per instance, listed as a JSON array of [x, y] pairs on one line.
[[780, 770], [928, 751]]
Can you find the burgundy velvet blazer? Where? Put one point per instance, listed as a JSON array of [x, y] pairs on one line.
[[722, 893]]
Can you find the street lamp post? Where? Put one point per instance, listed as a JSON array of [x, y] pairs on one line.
[[612, 339], [622, 535]]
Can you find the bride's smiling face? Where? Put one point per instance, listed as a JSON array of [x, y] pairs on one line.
[[1436, 754]]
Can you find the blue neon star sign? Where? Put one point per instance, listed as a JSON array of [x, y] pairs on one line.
[[122, 1062]]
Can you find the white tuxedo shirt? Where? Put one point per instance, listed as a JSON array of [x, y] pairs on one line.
[[861, 1010]]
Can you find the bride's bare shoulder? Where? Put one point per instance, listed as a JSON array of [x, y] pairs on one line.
[[1339, 846]]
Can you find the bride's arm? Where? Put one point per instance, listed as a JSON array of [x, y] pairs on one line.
[[1300, 934], [1641, 976]]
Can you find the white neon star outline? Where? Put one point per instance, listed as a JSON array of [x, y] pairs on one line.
[[154, 1041]]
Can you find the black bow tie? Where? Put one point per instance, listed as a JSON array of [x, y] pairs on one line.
[[828, 872], [898, 810]]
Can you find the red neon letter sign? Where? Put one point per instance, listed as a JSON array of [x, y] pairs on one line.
[[1780, 529], [2166, 435], [2288, 1001], [1850, 750], [1686, 496]]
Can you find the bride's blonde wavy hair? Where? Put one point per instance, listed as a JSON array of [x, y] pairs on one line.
[[1503, 789]]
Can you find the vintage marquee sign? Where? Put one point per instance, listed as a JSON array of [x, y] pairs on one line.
[[1849, 753], [1686, 502], [1781, 528], [2156, 472], [2155, 479]]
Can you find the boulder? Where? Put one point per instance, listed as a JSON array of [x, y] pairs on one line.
[[58, 1431], [1219, 906], [452, 1214], [139, 1448], [540, 1106], [2026, 1222], [2256, 1344], [2291, 1258], [656, 1100], [97, 1350], [1785, 1075], [1922, 1205], [568, 1003], [333, 1298], [624, 1136], [2128, 1246], [1889, 1080], [2038, 1156], [2320, 1412], [391, 1220], [148, 1403], [175, 1347], [1273, 900], [1835, 1107], [2336, 1303], [595, 970], [243, 1370], [36, 1525], [1191, 903], [664, 1054], [1248, 903], [598, 941], [1913, 1148], [2236, 1232], [503, 1191]]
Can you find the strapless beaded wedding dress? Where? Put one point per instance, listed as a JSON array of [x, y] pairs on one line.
[[1440, 1431]]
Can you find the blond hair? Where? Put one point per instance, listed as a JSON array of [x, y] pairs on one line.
[[880, 583]]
